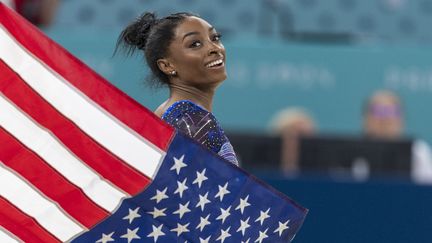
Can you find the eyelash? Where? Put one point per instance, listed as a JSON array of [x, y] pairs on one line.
[[215, 37]]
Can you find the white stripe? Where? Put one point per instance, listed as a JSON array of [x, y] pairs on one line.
[[33, 204], [8, 237], [47, 147], [108, 131], [10, 4]]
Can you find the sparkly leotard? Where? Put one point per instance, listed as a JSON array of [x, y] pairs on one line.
[[200, 125]]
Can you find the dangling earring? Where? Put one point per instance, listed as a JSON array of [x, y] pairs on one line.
[[173, 73]]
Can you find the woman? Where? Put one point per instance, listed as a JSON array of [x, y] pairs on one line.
[[185, 53]]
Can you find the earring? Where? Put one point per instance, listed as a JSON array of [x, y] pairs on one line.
[[173, 72]]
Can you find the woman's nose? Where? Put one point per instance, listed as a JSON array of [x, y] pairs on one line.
[[215, 48]]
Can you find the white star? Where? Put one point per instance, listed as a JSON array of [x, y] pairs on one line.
[[222, 191], [181, 187], [178, 164], [203, 222], [131, 234], [200, 178], [156, 232], [282, 227], [243, 204], [157, 213], [203, 201], [133, 214], [243, 226], [181, 229], [224, 234], [204, 240], [263, 216], [247, 241], [262, 236], [106, 238], [224, 214], [182, 210], [160, 195]]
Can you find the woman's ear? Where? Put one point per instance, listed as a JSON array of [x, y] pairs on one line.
[[165, 66]]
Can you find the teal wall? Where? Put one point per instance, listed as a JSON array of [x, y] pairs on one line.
[[332, 81], [327, 56]]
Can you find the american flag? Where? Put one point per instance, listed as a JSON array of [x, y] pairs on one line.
[[80, 161]]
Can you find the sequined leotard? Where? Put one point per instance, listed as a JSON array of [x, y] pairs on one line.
[[200, 125]]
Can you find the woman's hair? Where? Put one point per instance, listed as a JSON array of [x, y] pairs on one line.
[[153, 36]]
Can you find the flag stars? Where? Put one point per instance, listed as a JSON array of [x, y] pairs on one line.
[[157, 213], [203, 201], [181, 229], [243, 204], [243, 226], [200, 178], [106, 238], [156, 232], [224, 214], [262, 236], [203, 223], [160, 195], [181, 187], [224, 234], [282, 227], [133, 214], [222, 191], [182, 210], [263, 216], [178, 164], [204, 240], [131, 235]]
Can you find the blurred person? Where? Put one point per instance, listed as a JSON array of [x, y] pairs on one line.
[[39, 12], [186, 55], [292, 123], [383, 118]]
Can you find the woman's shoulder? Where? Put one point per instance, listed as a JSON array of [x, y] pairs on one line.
[[196, 122], [201, 125], [181, 108]]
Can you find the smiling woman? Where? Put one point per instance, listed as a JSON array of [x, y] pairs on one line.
[[184, 53]]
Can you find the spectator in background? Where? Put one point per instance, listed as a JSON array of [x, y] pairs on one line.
[[383, 118], [292, 123], [39, 12]]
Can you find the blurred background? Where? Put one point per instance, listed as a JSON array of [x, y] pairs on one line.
[[325, 100]]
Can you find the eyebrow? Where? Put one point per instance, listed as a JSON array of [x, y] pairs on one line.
[[196, 32]]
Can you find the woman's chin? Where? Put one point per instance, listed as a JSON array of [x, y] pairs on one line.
[[221, 77]]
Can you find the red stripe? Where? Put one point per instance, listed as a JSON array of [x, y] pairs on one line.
[[13, 220], [89, 151], [127, 110], [46, 179]]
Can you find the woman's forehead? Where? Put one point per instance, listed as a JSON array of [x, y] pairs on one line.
[[192, 24]]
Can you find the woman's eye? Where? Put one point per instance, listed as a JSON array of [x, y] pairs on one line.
[[195, 44], [217, 37]]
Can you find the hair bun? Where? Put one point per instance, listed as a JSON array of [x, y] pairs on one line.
[[136, 33]]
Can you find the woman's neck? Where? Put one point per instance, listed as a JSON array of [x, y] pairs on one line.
[[201, 96]]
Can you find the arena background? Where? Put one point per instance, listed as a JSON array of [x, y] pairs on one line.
[[326, 56]]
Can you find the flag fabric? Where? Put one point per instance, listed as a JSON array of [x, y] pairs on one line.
[[80, 161]]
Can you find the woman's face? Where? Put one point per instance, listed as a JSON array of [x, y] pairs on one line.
[[197, 54], [384, 118]]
